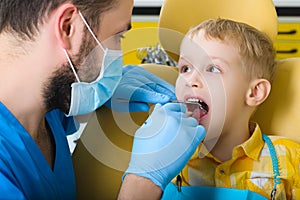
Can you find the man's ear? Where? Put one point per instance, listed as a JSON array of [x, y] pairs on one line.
[[258, 92], [65, 16]]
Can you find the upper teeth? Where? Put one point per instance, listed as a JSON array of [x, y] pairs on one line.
[[193, 100]]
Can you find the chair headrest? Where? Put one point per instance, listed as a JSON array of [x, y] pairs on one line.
[[178, 16]]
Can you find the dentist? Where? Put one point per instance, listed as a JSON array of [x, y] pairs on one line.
[[62, 58]]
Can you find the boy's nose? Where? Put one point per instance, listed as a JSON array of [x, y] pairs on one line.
[[195, 81]]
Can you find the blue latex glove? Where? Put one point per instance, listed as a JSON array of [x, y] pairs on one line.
[[137, 88], [164, 144]]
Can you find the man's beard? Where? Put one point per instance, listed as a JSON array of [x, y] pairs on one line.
[[57, 90]]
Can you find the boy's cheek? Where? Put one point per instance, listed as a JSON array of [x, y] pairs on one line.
[[179, 87]]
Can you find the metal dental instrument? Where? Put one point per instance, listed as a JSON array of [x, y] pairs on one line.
[[121, 100], [191, 103]]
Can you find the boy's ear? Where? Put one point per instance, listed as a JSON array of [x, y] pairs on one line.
[[258, 92]]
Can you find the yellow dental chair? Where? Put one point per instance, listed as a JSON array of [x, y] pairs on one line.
[[103, 152]]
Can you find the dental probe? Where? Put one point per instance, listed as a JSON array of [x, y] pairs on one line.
[[172, 101], [190, 102]]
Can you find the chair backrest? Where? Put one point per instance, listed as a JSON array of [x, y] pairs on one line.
[[178, 16]]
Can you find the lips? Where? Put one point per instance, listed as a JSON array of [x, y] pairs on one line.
[[197, 107]]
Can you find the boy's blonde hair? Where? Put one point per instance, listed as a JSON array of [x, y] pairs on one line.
[[255, 47]]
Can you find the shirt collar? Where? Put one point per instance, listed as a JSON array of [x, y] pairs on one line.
[[253, 146]]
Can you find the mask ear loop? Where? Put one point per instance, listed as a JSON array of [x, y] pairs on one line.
[[94, 36], [90, 30], [72, 66]]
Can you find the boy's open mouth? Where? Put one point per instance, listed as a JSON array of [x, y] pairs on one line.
[[197, 106]]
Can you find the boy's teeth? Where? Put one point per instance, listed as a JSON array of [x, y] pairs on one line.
[[193, 99]]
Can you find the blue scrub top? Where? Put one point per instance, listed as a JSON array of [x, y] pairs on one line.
[[24, 171]]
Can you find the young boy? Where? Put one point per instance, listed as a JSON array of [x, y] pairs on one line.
[[228, 68]]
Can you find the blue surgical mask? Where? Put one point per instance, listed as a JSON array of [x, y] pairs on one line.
[[87, 97]]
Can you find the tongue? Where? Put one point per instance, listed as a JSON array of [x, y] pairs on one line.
[[197, 113]]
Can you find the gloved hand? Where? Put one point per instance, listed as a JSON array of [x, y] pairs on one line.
[[137, 88], [164, 143]]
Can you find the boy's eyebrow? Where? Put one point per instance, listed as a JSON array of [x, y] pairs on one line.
[[219, 58], [184, 60]]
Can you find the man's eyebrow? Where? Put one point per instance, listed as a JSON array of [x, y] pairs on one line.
[[125, 29], [129, 26]]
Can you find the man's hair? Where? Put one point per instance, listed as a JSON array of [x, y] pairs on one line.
[[255, 47], [23, 17]]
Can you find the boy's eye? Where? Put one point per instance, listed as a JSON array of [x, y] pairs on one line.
[[213, 69], [185, 69]]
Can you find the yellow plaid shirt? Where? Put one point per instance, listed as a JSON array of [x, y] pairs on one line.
[[250, 168]]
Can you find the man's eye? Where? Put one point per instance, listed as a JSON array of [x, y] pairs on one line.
[[118, 38], [213, 69], [122, 36], [184, 69]]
